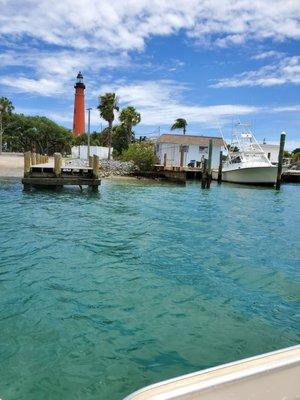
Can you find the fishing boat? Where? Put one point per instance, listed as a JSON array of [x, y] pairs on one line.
[[270, 376], [246, 161]]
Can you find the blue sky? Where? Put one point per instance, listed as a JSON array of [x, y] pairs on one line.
[[208, 61]]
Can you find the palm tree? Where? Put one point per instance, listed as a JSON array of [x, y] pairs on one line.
[[108, 103], [6, 105], [129, 117], [180, 123]]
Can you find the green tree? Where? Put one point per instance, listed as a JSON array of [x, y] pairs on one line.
[[95, 139], [80, 140], [6, 108], [141, 154], [296, 154], [296, 157], [180, 123], [108, 104], [35, 133], [129, 117], [119, 139]]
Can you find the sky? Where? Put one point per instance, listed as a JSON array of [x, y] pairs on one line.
[[212, 62]]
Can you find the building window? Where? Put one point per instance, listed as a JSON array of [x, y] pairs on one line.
[[203, 149], [185, 149]]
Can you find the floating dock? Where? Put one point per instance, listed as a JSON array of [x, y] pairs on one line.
[[56, 174]]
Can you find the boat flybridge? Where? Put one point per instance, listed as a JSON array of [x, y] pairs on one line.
[[270, 376], [246, 160]]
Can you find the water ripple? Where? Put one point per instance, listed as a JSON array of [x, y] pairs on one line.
[[104, 293]]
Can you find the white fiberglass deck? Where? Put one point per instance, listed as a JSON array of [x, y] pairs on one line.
[[271, 376]]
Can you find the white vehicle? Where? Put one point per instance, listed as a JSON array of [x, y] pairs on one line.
[[247, 162]]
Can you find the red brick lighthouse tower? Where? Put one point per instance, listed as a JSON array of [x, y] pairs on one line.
[[79, 111]]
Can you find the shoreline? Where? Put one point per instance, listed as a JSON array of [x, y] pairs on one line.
[[12, 166]]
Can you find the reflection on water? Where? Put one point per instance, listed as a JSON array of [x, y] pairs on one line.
[[104, 293]]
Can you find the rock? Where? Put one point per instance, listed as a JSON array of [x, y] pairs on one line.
[[107, 168], [115, 167]]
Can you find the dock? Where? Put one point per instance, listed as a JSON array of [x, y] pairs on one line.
[[40, 172], [292, 175]]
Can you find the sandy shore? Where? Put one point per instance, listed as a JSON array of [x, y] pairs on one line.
[[11, 165]]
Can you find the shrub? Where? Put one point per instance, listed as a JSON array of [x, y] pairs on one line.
[[141, 154]]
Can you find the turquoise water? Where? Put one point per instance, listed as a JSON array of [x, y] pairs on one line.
[[101, 294]]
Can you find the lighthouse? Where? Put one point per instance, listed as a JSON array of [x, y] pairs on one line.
[[79, 111]]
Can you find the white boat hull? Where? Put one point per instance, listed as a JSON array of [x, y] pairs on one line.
[[264, 175]]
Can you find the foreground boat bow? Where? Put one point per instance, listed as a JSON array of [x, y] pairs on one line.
[[270, 376]]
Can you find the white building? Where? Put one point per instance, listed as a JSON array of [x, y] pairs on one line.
[[194, 149], [82, 152], [271, 150]]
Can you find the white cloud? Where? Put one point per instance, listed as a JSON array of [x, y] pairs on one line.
[[65, 117], [290, 145], [43, 86], [161, 102], [92, 34], [268, 54], [289, 108], [126, 25], [53, 73], [284, 72]]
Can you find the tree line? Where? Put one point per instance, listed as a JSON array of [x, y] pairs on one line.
[[35, 133], [40, 134]]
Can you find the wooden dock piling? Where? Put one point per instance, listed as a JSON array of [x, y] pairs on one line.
[[220, 167], [33, 158], [96, 166], [27, 162], [210, 147], [206, 171], [181, 150], [280, 160], [95, 171], [204, 175], [57, 164]]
